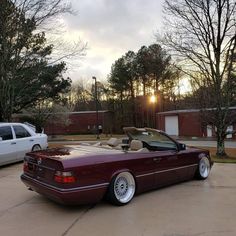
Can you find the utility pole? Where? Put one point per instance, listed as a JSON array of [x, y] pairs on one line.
[[96, 100]]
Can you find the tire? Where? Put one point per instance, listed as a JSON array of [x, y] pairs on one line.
[[36, 148], [122, 189], [204, 167]]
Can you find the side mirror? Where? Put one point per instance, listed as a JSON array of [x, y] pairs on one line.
[[182, 146], [0, 139]]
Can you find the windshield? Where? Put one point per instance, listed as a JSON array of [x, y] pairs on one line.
[[153, 139]]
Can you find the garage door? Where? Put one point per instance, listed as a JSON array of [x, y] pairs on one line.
[[172, 125], [230, 129]]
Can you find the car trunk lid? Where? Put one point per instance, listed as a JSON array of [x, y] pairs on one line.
[[44, 165], [41, 167]]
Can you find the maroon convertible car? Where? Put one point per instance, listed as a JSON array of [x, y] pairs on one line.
[[118, 169]]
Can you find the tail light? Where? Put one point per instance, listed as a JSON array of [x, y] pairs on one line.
[[64, 177], [25, 166]]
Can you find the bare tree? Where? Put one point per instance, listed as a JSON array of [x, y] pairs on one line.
[[203, 34], [79, 97], [42, 10], [47, 111]]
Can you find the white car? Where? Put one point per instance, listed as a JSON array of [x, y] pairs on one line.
[[16, 139]]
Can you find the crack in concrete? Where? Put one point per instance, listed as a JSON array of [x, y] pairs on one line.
[[3, 176], [2, 213], [200, 233], [78, 218], [211, 186], [196, 234]]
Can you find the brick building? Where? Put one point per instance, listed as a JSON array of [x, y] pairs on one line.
[[187, 123], [82, 122]]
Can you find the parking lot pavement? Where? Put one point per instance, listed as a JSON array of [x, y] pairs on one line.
[[193, 208]]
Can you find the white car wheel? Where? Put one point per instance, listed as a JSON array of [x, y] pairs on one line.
[[203, 168], [122, 189]]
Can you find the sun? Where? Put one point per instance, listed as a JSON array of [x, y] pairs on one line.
[[153, 99]]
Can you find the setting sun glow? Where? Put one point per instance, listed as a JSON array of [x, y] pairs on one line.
[[153, 99]]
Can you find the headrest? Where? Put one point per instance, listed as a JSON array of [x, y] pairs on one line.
[[113, 142]]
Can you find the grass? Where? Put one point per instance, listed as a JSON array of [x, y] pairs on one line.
[[223, 160], [230, 158]]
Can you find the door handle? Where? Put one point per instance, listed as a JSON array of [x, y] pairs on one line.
[[157, 159], [13, 143], [172, 158]]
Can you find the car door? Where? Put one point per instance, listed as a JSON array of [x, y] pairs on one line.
[[173, 165], [24, 141], [144, 169], [187, 164], [166, 160], [166, 168], [8, 151]]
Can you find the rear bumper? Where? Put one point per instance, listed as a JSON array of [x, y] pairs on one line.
[[71, 196]]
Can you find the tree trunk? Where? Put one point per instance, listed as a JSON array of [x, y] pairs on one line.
[[220, 145], [122, 110], [144, 87], [133, 105], [1, 118]]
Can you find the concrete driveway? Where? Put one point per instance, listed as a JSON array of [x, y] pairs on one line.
[[194, 208]]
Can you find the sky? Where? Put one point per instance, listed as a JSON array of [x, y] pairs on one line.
[[110, 28]]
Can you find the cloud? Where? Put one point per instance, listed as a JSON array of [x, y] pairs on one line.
[[112, 28]]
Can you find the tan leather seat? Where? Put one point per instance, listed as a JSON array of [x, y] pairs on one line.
[[135, 145]]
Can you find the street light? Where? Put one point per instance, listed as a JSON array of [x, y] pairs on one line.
[[96, 100]]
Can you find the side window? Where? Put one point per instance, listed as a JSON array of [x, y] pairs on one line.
[[6, 133], [162, 142], [21, 132], [166, 142]]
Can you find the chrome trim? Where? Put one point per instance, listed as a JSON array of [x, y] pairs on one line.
[[161, 171], [84, 188], [39, 165]]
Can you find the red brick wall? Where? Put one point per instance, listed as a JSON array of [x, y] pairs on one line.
[[160, 122], [189, 123], [78, 124]]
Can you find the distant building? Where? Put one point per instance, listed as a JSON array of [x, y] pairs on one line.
[[188, 123], [82, 122]]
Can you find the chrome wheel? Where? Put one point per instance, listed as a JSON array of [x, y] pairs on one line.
[[123, 188], [204, 168]]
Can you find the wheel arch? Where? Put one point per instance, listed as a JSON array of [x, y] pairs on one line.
[[117, 172], [202, 154], [36, 144]]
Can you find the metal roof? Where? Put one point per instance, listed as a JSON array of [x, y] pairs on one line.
[[191, 110]]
